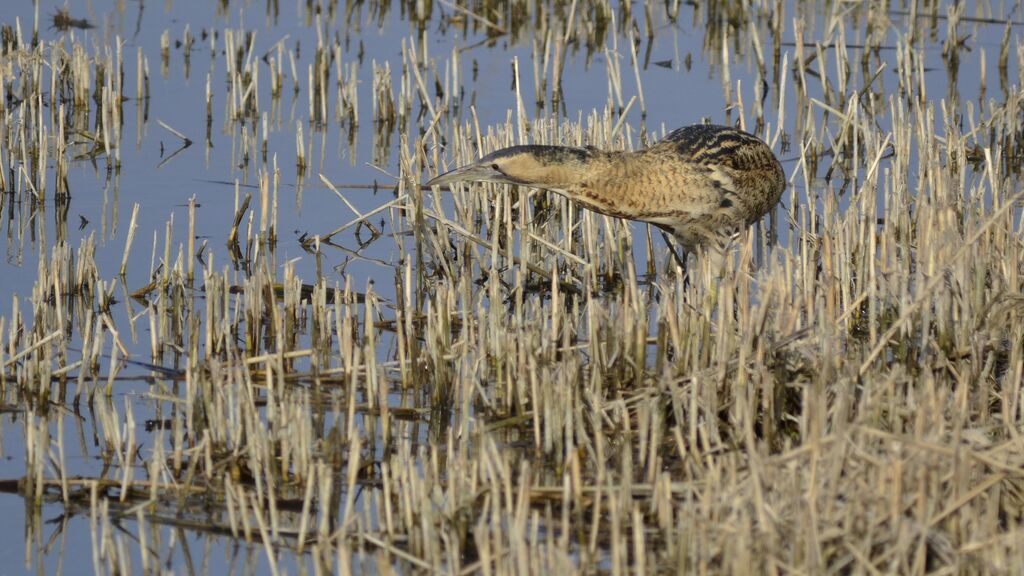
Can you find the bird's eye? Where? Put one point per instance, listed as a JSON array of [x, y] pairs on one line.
[[495, 168]]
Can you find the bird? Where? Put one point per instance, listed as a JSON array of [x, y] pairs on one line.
[[702, 183]]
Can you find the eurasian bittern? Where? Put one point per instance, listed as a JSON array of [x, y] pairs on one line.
[[699, 183]]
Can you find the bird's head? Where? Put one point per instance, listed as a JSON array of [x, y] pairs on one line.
[[549, 167]]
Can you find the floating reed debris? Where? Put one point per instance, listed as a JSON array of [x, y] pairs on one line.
[[63, 21]]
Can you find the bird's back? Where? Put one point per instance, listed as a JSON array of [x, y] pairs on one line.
[[733, 180], [700, 183]]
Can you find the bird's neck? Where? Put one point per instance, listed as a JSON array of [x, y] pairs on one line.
[[574, 171], [600, 181]]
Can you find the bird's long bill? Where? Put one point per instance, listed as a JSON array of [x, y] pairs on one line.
[[478, 172]]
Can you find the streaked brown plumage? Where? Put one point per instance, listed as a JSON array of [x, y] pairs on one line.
[[700, 182]]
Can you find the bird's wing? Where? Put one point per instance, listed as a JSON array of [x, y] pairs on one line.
[[708, 192]]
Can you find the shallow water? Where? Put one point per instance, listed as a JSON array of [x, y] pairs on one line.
[[682, 84]]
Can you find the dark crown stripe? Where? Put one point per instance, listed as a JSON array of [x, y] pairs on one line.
[[547, 154]]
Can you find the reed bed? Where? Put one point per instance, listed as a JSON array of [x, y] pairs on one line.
[[532, 387]]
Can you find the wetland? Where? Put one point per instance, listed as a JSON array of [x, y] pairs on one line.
[[238, 334]]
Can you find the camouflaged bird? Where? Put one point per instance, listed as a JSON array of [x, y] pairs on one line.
[[700, 183]]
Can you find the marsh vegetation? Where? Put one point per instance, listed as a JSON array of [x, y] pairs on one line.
[[492, 380]]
